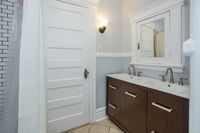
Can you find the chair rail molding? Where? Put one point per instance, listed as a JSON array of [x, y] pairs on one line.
[[189, 47], [112, 55]]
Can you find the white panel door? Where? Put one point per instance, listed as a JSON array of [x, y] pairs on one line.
[[147, 36], [67, 58]]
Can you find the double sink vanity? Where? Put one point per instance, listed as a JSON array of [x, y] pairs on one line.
[[147, 105]]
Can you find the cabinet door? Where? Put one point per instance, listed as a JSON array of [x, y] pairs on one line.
[[113, 98], [133, 108], [165, 115]]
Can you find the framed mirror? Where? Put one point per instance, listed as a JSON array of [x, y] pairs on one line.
[[157, 36], [152, 37]]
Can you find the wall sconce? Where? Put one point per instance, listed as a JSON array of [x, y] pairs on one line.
[[102, 24]]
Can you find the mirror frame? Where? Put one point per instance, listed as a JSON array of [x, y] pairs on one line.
[[171, 10]]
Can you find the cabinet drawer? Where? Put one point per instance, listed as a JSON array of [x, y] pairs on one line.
[[114, 111], [165, 115], [114, 92], [133, 91]]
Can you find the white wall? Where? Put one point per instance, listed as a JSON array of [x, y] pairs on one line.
[[104, 67], [192, 47], [111, 40]]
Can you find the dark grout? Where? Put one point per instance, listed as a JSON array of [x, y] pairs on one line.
[[109, 129], [90, 127]]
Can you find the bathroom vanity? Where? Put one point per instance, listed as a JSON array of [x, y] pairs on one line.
[[146, 105]]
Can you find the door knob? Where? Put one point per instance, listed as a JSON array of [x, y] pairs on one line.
[[86, 73], [153, 131]]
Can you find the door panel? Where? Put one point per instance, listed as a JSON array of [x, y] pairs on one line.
[[147, 42], [60, 34], [64, 38], [64, 92], [65, 73], [65, 111], [67, 57], [64, 54]]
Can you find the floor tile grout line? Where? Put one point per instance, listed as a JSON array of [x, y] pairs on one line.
[[90, 128], [109, 130]]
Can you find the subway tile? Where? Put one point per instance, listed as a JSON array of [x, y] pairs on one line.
[[7, 3], [7, 11], [3, 6]]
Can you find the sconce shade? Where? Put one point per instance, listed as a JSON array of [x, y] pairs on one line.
[[102, 24]]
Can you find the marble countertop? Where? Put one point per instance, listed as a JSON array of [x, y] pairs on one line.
[[155, 84]]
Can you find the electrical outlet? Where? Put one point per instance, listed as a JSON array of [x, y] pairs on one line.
[[99, 49]]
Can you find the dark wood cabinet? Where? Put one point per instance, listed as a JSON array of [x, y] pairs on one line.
[[133, 108], [136, 109], [114, 98], [166, 113]]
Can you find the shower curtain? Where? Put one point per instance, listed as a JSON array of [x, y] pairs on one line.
[[32, 100], [159, 44], [9, 103]]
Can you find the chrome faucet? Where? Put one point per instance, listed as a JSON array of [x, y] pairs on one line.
[[131, 70], [171, 80]]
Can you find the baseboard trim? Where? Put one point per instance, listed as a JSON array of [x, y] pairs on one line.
[[101, 114]]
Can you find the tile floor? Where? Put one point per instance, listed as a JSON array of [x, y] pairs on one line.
[[104, 126]]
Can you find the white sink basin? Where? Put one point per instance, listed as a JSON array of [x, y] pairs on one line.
[[169, 86], [156, 84], [131, 78]]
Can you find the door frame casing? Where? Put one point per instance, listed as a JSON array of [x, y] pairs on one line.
[[92, 56], [191, 48], [92, 64]]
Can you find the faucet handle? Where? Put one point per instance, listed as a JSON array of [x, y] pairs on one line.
[[163, 77], [129, 70], [181, 81], [139, 73]]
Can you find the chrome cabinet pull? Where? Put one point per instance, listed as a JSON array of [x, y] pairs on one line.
[[131, 95], [112, 106], [113, 87], [161, 107]]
